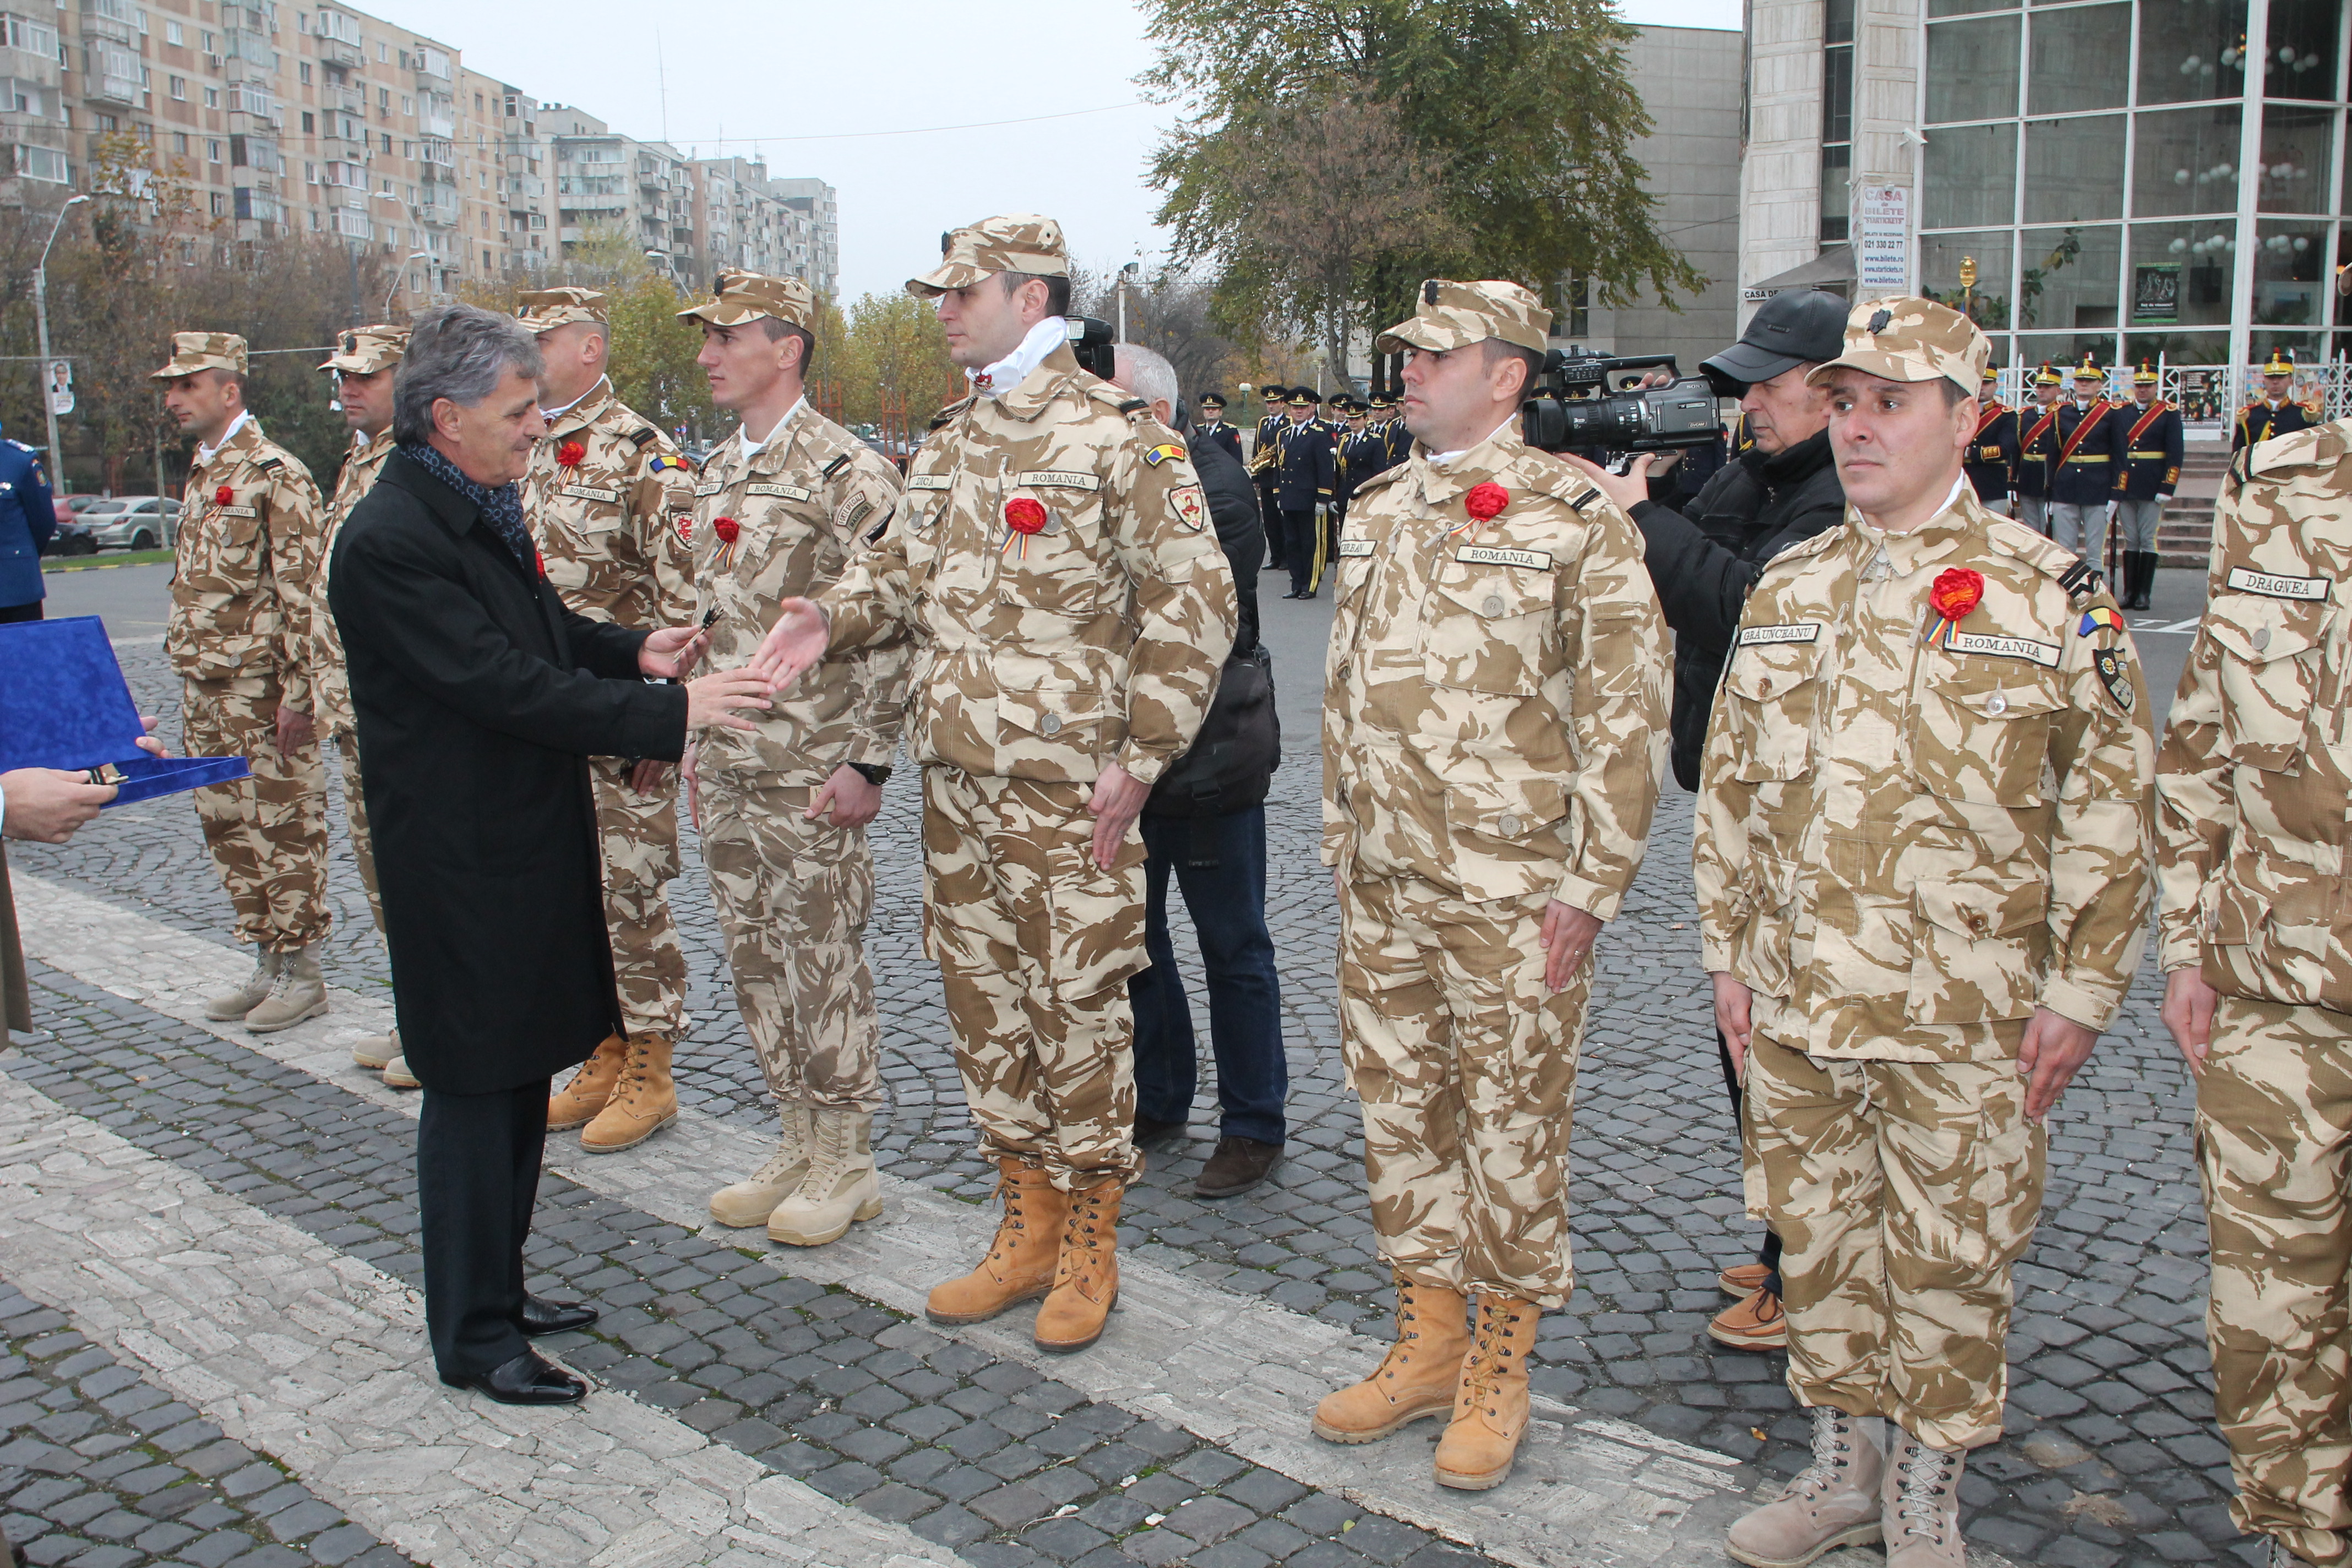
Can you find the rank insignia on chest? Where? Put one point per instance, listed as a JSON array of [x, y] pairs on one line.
[[2095, 619], [2115, 675]]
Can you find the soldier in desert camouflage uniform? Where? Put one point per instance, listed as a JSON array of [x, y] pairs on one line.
[[2254, 795], [1921, 862], [1493, 730], [239, 635], [364, 364], [781, 509], [610, 502], [1071, 610]]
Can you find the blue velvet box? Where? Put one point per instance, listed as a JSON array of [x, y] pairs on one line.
[[64, 704]]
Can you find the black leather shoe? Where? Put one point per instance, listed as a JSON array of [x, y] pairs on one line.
[[1239, 1164], [1152, 1130], [528, 1379], [543, 1317]]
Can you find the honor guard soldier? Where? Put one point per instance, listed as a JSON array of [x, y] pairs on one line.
[[1305, 478], [2275, 412], [1212, 425], [25, 492], [1052, 560], [2254, 793], [1921, 856], [2037, 447], [783, 508], [2083, 470], [610, 502], [1358, 458], [2150, 457], [1494, 731], [1265, 467], [364, 364], [1993, 455], [239, 635], [1396, 440]]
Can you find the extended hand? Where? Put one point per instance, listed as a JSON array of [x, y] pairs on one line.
[[294, 731], [670, 652], [795, 642], [854, 801], [715, 701], [2055, 1048], [2188, 1012], [47, 805], [1568, 937], [1625, 488], [1735, 1011], [1118, 799]]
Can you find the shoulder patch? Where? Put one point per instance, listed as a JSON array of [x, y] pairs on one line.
[[2082, 581], [267, 464], [641, 435], [1132, 405], [840, 461], [1162, 453]]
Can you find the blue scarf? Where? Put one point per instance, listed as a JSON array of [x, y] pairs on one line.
[[501, 505]]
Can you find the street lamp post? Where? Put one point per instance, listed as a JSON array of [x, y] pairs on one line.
[[400, 277], [1126, 278], [41, 320]]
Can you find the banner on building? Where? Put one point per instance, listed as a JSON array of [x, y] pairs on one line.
[[1881, 246], [60, 388], [2156, 292]]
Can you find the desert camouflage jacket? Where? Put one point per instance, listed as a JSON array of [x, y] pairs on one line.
[[801, 508], [1910, 832], [2254, 793], [244, 566], [612, 524], [1494, 699], [1048, 655], [331, 685]]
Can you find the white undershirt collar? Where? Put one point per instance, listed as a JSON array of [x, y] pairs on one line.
[[752, 448], [1013, 369], [1442, 458], [552, 415], [205, 454]]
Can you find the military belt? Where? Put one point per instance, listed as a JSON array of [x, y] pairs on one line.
[[2088, 457], [2145, 456]]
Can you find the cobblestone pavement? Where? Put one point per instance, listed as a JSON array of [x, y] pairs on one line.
[[2111, 1457]]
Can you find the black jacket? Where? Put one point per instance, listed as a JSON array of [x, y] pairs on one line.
[[1241, 533], [2149, 466], [1706, 559], [1307, 475], [479, 698]]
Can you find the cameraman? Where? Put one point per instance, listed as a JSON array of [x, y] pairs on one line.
[[1703, 561]]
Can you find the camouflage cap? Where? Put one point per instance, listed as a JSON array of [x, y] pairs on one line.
[[543, 309], [1017, 242], [1906, 338], [192, 352], [740, 297], [363, 351], [1455, 315]]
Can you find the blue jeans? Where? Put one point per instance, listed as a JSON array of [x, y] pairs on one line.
[[1227, 901]]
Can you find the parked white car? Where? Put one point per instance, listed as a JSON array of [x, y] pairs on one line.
[[133, 522]]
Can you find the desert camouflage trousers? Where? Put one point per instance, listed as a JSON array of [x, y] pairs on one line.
[[1903, 1193], [639, 837], [794, 898], [1034, 943], [2274, 1149], [268, 833], [1467, 1071], [347, 747]]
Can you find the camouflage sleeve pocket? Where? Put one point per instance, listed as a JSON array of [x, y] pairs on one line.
[[1983, 729], [2269, 654], [1979, 949], [1770, 691]]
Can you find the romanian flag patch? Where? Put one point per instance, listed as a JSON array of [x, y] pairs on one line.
[[1162, 453], [2102, 617]]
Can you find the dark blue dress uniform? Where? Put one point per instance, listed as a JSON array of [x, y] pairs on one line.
[[1993, 455], [2262, 419], [2037, 444], [2084, 473], [28, 519], [1270, 428], [2151, 459], [1305, 479]]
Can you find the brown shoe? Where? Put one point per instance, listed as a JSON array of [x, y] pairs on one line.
[[1022, 1260], [1834, 1501], [1239, 1164], [1758, 1324], [1085, 1279], [1490, 1408], [1742, 1278], [644, 1103], [1919, 1500], [1419, 1376], [577, 1102]]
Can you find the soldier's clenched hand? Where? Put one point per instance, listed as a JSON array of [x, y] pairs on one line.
[[795, 642], [1735, 1013], [1118, 799], [2055, 1048], [294, 730], [715, 701], [852, 800], [2188, 1012], [1568, 937]]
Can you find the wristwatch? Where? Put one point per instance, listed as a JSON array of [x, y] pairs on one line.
[[873, 773]]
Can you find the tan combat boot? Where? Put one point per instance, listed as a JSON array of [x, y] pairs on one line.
[[591, 1089], [1022, 1260], [397, 1076], [255, 990], [1833, 1502], [1490, 1408], [374, 1052], [1085, 1280], [644, 1103], [751, 1200], [300, 994], [1419, 1378], [841, 1185], [1919, 1500]]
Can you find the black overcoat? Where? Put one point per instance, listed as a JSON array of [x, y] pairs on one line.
[[479, 698]]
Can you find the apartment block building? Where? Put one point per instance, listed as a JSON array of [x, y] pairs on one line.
[[323, 118]]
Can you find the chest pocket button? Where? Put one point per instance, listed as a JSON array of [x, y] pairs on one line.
[[1051, 724], [1494, 604]]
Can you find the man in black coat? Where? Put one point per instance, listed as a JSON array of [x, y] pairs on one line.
[[1704, 560], [479, 698], [1212, 425], [1303, 485]]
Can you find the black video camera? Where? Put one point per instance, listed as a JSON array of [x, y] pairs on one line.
[[1094, 348], [1574, 405]]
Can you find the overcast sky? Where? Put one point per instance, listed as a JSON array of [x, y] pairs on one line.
[[799, 82]]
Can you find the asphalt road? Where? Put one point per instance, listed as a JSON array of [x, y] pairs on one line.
[[133, 601]]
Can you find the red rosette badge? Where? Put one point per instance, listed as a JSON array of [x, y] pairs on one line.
[[727, 531], [1957, 591], [1486, 501], [223, 495], [1023, 516], [570, 454]]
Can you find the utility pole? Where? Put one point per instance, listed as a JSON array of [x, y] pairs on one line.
[[1125, 276], [41, 318]]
